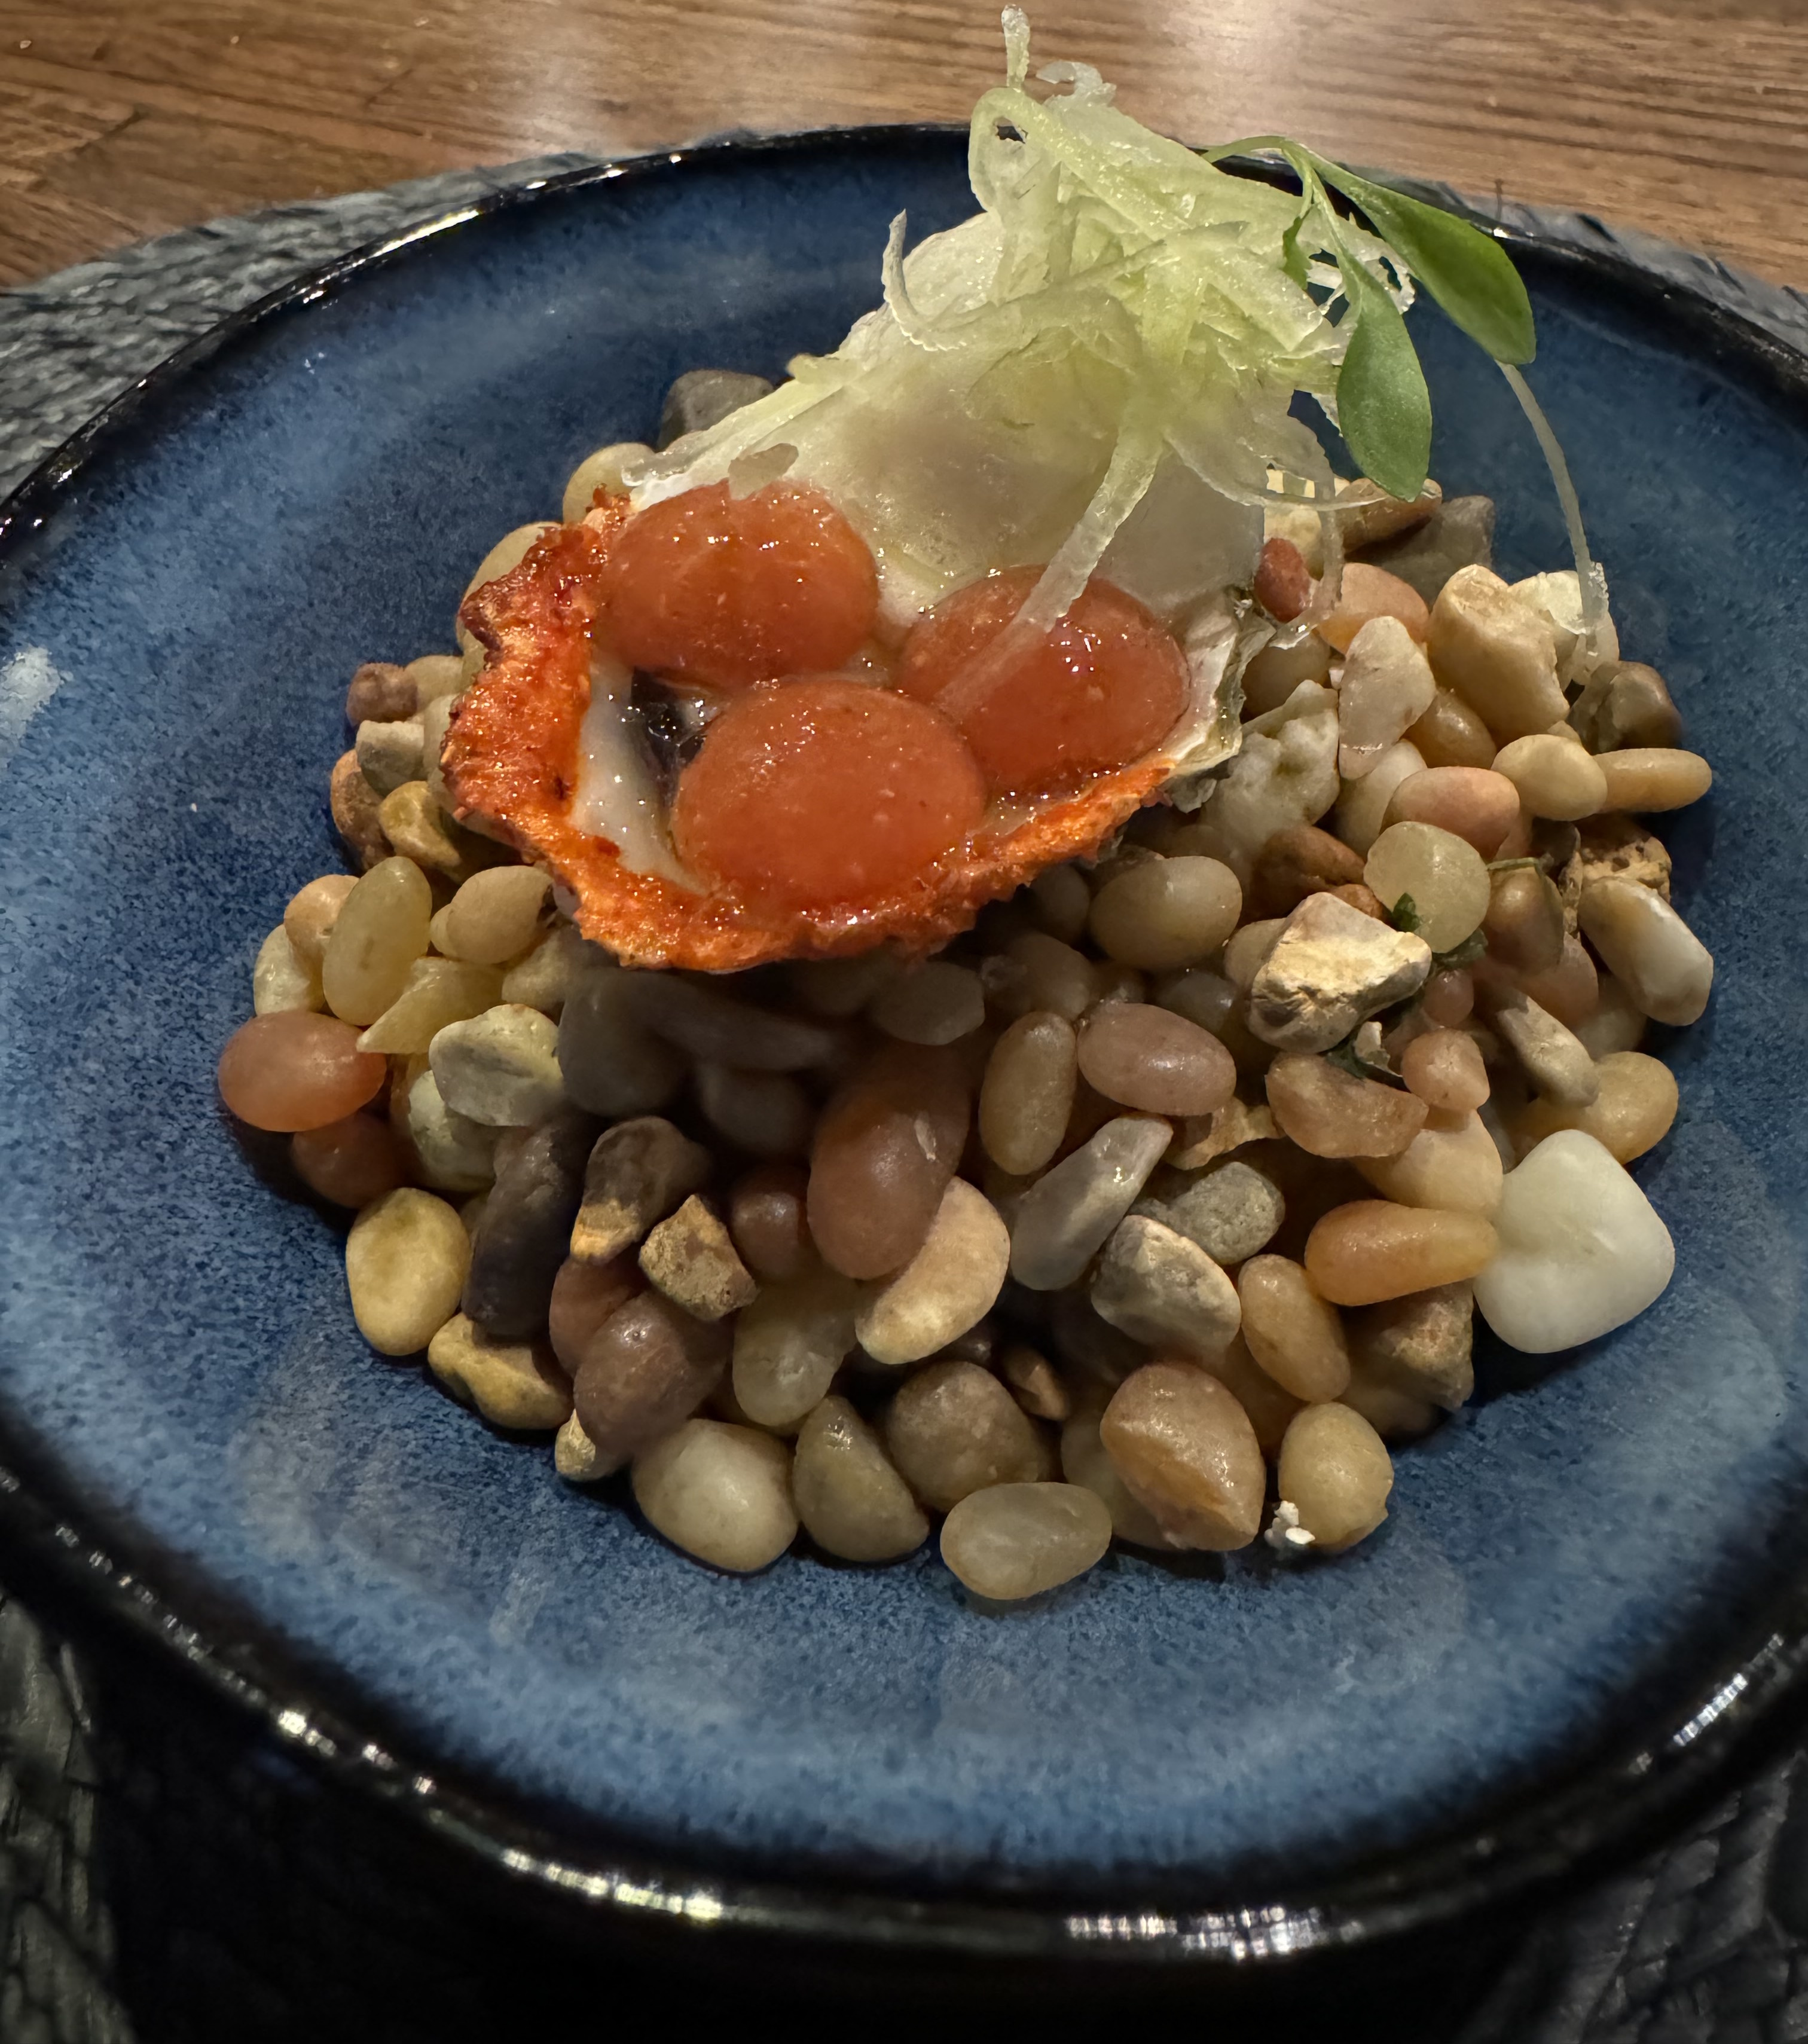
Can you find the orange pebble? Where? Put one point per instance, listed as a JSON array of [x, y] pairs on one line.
[[1372, 1250], [350, 1161], [1366, 593], [294, 1070], [1283, 581], [730, 590], [822, 790], [1095, 691]]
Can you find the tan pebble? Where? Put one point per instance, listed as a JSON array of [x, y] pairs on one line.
[[722, 1494], [1244, 953], [1445, 1070], [516, 1385], [380, 691], [1330, 967], [1454, 1167], [954, 1429], [1161, 1288], [380, 931], [495, 914], [1027, 1092], [500, 1067], [312, 912], [1036, 972], [1200, 1141], [1368, 593], [1645, 778], [1616, 1023], [1362, 804], [1448, 996], [417, 826], [1570, 991], [644, 1371], [507, 552], [1018, 1540], [1166, 913], [1036, 1384], [1422, 1343], [950, 1283], [1330, 1112], [435, 674], [1450, 734], [435, 722], [639, 1172], [1337, 1474], [837, 988], [1631, 1113], [691, 1259], [355, 804], [1270, 1409], [1367, 514], [853, 1502], [1117, 983], [1273, 673], [1371, 1249], [939, 1003], [437, 990], [599, 472], [1292, 1334], [573, 1454], [280, 980], [1294, 862], [1496, 652], [1084, 1461], [1613, 847], [789, 1342], [406, 1261], [1472, 803], [1148, 1058], [1554, 778], [1187, 1451], [1395, 1413], [1443, 876]]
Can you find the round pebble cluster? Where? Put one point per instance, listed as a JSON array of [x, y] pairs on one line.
[[1155, 1209]]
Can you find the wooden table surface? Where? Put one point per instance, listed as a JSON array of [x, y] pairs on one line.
[[122, 118]]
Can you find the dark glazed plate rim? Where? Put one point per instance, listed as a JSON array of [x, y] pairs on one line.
[[1621, 1796]]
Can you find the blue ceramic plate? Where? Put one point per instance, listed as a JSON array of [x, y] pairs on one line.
[[1583, 1587]]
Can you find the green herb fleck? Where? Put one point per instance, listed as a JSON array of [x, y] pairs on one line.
[[1472, 947], [1404, 915]]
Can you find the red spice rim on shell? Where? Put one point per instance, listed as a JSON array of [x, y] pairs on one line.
[[511, 761]]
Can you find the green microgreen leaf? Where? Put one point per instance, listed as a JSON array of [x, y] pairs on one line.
[[1466, 271], [1404, 915], [1466, 953], [1347, 1058], [1383, 407]]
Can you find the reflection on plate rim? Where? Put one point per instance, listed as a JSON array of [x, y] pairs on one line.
[[1625, 1796]]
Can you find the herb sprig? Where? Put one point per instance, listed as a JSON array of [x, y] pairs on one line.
[[1383, 407]]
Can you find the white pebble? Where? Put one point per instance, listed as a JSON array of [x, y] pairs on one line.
[[1555, 778], [1647, 946], [1581, 1250], [281, 980], [1362, 805], [1387, 688]]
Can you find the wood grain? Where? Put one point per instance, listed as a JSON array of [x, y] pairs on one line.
[[1689, 117]]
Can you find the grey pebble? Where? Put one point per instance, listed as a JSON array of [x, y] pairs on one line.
[[701, 398], [1459, 534], [1233, 1212], [525, 1229], [1162, 1289]]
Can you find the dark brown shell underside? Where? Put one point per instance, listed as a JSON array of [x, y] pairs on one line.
[[511, 761]]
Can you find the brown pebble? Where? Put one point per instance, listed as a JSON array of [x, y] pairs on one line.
[[1372, 1250], [691, 1259], [1036, 1384], [1449, 997], [381, 692], [1283, 581], [644, 1372], [1329, 1112], [1269, 1408], [954, 1428], [885, 1149], [1470, 802], [638, 1173], [1626, 704], [1525, 922], [1362, 898], [584, 1296], [1451, 734], [1421, 1343], [1188, 1455], [1294, 862], [350, 1161], [1570, 990], [355, 806], [766, 1218]]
